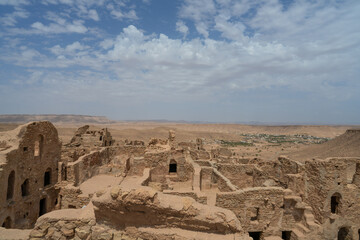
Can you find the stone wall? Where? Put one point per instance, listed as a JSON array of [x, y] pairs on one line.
[[332, 194], [87, 166], [211, 178], [267, 210], [28, 174], [241, 175]]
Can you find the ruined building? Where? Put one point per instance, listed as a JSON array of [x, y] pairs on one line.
[[29, 158], [170, 190]]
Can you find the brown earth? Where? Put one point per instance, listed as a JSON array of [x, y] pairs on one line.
[[345, 145], [212, 133]]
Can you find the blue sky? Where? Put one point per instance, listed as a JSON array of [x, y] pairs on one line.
[[197, 60]]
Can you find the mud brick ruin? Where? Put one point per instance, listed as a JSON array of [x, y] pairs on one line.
[[97, 188]]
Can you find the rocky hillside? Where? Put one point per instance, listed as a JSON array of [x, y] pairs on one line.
[[345, 145], [24, 118]]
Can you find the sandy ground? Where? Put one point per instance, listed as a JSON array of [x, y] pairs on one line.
[[97, 183], [211, 133], [186, 132]]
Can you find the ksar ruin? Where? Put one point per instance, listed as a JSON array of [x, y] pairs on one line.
[[96, 186]]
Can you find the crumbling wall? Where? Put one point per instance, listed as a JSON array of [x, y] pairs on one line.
[[70, 197], [210, 178], [332, 194], [87, 166], [275, 171], [143, 207], [28, 174], [160, 164], [258, 209], [241, 175]]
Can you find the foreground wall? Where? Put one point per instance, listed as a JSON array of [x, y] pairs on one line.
[[333, 191], [28, 173]]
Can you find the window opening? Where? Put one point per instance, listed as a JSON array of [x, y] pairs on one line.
[[11, 183], [42, 207], [286, 235], [172, 166], [47, 177], [335, 203], [256, 235], [25, 191]]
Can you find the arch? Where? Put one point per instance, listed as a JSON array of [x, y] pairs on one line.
[[11, 185], [335, 203], [344, 234], [25, 188], [172, 166], [7, 223], [38, 146], [47, 177]]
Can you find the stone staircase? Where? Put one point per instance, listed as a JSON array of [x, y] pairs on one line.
[[303, 230]]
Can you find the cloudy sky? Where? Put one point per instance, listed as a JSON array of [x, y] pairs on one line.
[[197, 60]]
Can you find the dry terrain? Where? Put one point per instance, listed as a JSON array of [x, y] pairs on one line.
[[268, 142]]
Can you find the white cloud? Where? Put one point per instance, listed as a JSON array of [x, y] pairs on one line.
[[60, 27], [107, 43], [182, 28], [201, 12], [14, 2], [309, 48], [118, 13], [71, 49], [94, 15], [12, 18]]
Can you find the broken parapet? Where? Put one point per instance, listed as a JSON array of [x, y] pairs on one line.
[[145, 207]]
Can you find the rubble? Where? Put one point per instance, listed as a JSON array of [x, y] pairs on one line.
[[95, 189]]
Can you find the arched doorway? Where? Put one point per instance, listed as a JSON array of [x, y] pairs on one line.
[[7, 223], [344, 234]]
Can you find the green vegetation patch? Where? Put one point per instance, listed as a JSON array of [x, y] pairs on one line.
[[235, 144]]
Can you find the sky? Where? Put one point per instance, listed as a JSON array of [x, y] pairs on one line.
[[280, 61]]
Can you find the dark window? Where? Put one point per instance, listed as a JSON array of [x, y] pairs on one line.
[[7, 223], [25, 191], [172, 167], [64, 172], [127, 166], [335, 203], [47, 177], [25, 149], [256, 235], [344, 234], [286, 235], [100, 139], [71, 206], [42, 207], [10, 187]]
